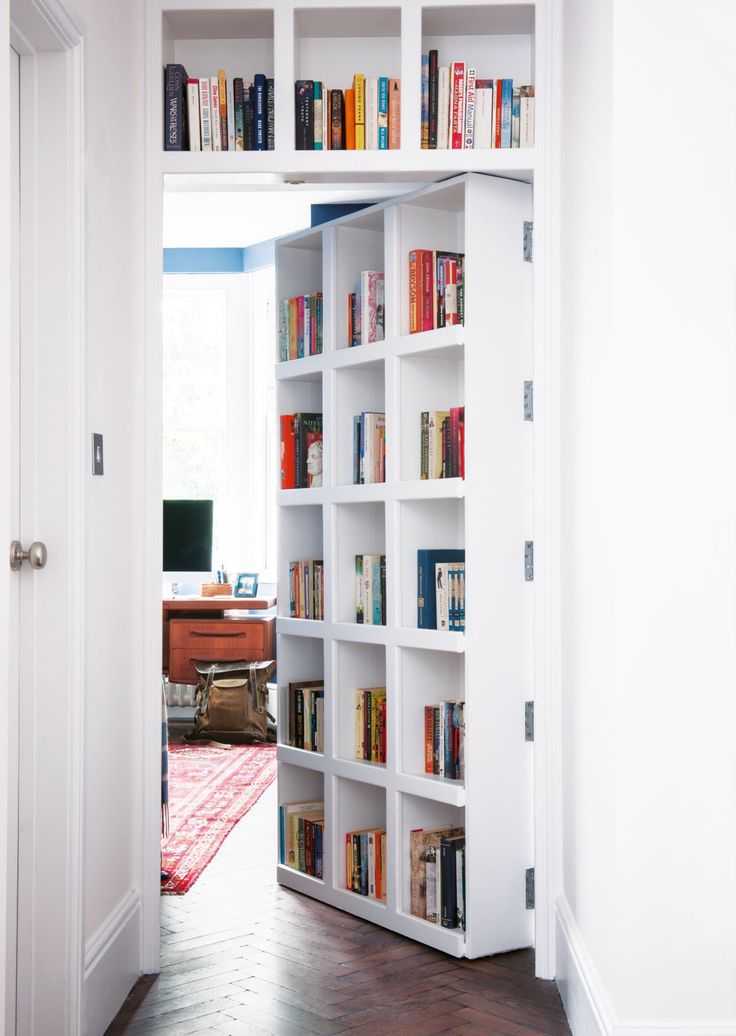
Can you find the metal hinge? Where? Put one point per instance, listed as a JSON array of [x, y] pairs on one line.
[[529, 561], [528, 720], [528, 400], [528, 241], [530, 888]]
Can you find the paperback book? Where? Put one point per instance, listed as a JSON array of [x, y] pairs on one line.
[[370, 724], [429, 590], [444, 740], [300, 326], [306, 590], [365, 862], [363, 116], [369, 448], [307, 715], [301, 451], [301, 836], [436, 289], [370, 589], [215, 113]]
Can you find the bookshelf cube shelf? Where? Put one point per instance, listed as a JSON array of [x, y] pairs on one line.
[[359, 247], [424, 678], [482, 366], [303, 659], [357, 666], [203, 40]]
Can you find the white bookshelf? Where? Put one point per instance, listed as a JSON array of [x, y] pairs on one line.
[[319, 39], [482, 365]]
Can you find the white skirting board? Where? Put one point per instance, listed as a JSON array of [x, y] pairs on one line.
[[586, 1001], [111, 964]]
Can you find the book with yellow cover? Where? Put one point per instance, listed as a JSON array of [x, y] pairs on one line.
[[359, 92]]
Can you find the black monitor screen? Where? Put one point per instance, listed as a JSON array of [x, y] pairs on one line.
[[187, 536]]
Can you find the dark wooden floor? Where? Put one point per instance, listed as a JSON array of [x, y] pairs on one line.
[[242, 956]]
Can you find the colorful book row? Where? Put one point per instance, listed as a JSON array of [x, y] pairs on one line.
[[461, 111], [300, 326], [215, 113], [307, 715], [370, 724], [369, 448], [365, 863], [444, 740], [365, 117], [441, 590], [437, 862], [302, 836], [306, 590], [436, 289], [442, 443], [301, 451], [366, 309], [370, 589]]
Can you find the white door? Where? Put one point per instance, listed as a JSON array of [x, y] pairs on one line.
[[41, 464]]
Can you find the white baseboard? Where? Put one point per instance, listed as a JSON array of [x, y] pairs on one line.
[[586, 1001], [112, 964]]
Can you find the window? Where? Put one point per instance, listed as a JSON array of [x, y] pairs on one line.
[[219, 410]]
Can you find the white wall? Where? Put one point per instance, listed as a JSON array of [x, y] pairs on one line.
[[648, 338], [114, 242]]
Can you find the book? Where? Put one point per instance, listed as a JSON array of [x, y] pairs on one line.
[[359, 92], [425, 102], [369, 448], [457, 104], [515, 118], [305, 715], [470, 108], [424, 849], [526, 116], [382, 113], [483, 113], [230, 116], [426, 583], [449, 846], [337, 120], [288, 452], [193, 120], [372, 306], [215, 113], [249, 117], [350, 119], [371, 114], [205, 114], [394, 114], [176, 137], [370, 589], [317, 131], [260, 128], [433, 88], [239, 101], [222, 95], [306, 590], [506, 98], [270, 115], [365, 856], [443, 109], [304, 101]]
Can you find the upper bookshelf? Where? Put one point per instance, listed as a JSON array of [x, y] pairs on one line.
[[299, 40]]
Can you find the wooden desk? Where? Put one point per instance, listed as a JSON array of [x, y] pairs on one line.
[[210, 628]]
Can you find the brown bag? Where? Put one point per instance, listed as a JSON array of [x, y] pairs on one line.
[[231, 701]]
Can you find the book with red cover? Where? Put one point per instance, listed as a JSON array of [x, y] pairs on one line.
[[415, 289], [350, 119], [457, 105], [498, 104], [288, 452], [428, 738], [426, 296]]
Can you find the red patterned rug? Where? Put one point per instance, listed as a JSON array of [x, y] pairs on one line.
[[211, 787]]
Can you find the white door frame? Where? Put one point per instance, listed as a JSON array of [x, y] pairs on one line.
[[42, 976]]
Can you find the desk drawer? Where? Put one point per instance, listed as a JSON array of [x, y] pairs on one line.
[[208, 641]]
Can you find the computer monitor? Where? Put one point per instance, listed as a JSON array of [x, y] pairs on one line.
[[187, 536]]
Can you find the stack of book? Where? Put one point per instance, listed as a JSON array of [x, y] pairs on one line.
[[300, 326], [306, 590], [366, 309], [444, 740], [370, 589], [307, 715], [365, 862], [370, 724], [215, 113], [443, 443], [301, 451], [441, 590], [365, 117], [461, 111], [301, 836], [436, 289], [369, 448], [437, 857]]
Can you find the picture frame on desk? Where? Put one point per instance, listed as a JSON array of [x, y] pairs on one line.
[[246, 584]]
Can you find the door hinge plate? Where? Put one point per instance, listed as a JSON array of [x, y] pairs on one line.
[[529, 561], [528, 400], [528, 720], [530, 888], [528, 241]]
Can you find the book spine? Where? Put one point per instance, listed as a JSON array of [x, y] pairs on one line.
[[300, 325], [205, 114], [337, 120], [382, 115], [299, 718], [359, 590], [460, 887], [304, 99], [497, 94], [288, 452], [394, 114], [443, 109], [436, 740], [175, 130], [428, 737], [195, 138], [376, 590], [350, 119], [433, 91], [442, 597], [382, 569], [368, 588], [260, 128], [457, 104], [249, 112], [422, 590], [270, 115], [215, 113], [317, 116], [515, 113], [526, 116], [372, 864], [360, 724], [357, 424], [507, 89], [222, 94], [371, 114], [470, 109], [239, 102], [427, 297], [415, 267], [424, 446], [359, 90], [449, 745], [449, 884], [425, 102], [230, 116]]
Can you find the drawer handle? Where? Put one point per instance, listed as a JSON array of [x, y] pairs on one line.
[[217, 633]]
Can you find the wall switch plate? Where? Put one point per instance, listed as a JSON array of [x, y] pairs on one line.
[[98, 464]]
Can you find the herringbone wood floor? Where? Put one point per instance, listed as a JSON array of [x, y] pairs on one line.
[[242, 956]]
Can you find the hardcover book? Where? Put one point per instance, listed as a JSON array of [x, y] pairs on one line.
[[176, 137], [426, 583]]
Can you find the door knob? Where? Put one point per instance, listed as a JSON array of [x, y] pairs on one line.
[[36, 555]]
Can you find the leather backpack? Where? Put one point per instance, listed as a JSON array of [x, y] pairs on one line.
[[231, 700]]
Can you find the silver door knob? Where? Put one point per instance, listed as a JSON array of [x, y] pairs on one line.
[[36, 555]]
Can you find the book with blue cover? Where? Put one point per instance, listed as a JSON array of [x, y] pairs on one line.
[[426, 590]]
